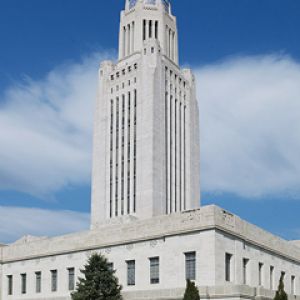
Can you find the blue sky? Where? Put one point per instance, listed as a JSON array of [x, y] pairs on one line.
[[245, 54]]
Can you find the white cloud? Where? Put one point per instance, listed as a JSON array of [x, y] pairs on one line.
[[46, 129], [250, 126], [16, 222]]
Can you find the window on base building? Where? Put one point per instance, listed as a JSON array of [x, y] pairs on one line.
[[71, 281], [245, 270], [53, 280], [154, 270], [38, 282], [190, 265], [271, 278], [228, 259], [9, 284], [23, 283], [130, 272], [260, 273]]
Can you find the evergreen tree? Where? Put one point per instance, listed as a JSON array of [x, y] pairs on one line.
[[191, 291], [98, 282], [280, 293]]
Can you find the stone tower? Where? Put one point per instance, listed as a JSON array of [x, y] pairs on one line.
[[146, 131]]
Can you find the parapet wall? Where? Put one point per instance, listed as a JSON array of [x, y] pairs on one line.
[[205, 218]]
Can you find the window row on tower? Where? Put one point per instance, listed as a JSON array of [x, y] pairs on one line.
[[150, 29], [171, 43], [122, 169], [175, 143], [127, 39], [123, 72]]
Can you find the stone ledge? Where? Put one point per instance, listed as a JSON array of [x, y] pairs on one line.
[[205, 218]]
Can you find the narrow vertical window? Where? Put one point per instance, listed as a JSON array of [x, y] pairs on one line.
[[23, 283], [156, 29], [184, 159], [150, 29], [190, 265], [171, 151], [128, 152], [38, 282], [9, 284], [154, 270], [111, 156], [144, 30], [131, 272], [180, 156], [260, 273], [71, 281], [122, 158], [245, 270], [271, 278], [167, 151], [293, 290], [53, 280], [111, 267], [117, 158], [175, 158], [135, 146], [228, 259]]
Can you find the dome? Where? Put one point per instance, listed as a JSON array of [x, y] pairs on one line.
[[166, 3]]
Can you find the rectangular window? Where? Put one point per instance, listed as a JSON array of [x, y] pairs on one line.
[[131, 272], [38, 282], [154, 270], [293, 290], [271, 278], [110, 266], [245, 270], [53, 280], [9, 284], [228, 258], [260, 273], [190, 265], [23, 283], [71, 283]]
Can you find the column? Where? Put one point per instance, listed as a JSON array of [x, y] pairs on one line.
[[132, 37], [114, 161], [176, 48], [147, 29], [170, 44], [131, 150], [153, 29], [173, 146], [126, 141], [128, 39]]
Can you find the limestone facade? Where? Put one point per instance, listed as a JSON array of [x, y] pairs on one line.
[[146, 133], [210, 232], [146, 193]]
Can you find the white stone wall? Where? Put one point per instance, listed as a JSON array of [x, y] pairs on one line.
[[167, 173], [242, 249], [210, 232]]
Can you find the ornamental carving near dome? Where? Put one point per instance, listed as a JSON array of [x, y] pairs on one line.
[[166, 3]]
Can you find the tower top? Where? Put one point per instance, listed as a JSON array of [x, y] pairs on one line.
[[144, 20], [130, 4]]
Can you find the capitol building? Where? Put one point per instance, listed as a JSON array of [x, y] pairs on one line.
[[146, 216]]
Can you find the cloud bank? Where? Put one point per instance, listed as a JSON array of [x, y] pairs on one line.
[[16, 222], [46, 129], [250, 125], [249, 122]]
